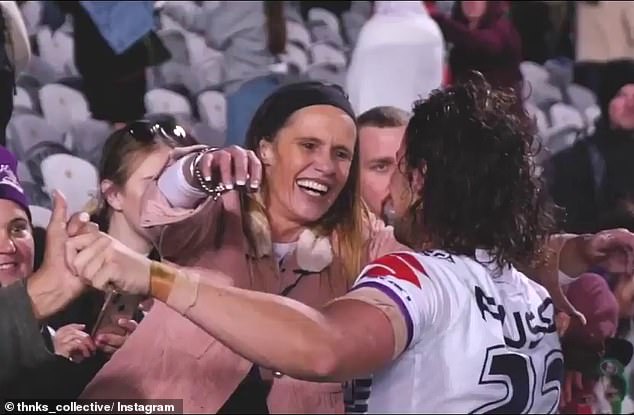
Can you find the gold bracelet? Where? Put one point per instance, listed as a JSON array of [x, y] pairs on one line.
[[162, 279]]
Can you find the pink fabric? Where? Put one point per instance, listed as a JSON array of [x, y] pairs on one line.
[[170, 357]]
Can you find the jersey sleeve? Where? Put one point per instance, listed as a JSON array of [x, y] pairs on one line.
[[403, 278]]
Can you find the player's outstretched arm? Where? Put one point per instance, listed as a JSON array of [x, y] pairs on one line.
[[352, 336], [347, 338]]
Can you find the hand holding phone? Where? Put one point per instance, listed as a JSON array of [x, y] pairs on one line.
[[116, 307]]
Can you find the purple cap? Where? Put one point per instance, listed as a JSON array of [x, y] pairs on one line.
[[591, 295], [10, 188]]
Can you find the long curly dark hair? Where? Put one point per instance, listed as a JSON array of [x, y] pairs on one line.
[[480, 189]]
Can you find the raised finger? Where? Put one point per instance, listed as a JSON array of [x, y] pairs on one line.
[[205, 165], [223, 161], [255, 170], [80, 223], [240, 165]]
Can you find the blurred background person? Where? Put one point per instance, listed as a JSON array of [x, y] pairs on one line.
[[398, 58], [381, 132], [17, 254], [590, 178], [588, 347], [132, 156], [250, 34], [536, 29], [27, 302], [604, 35], [114, 45], [14, 57], [483, 39]]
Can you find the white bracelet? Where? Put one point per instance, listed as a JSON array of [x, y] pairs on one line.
[[176, 189]]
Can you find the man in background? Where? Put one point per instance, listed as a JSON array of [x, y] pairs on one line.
[[381, 131]]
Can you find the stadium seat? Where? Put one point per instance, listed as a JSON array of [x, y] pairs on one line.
[[58, 50], [212, 107], [25, 131], [319, 14], [324, 53], [77, 179], [296, 58], [22, 100], [161, 100], [86, 139], [298, 34], [63, 105]]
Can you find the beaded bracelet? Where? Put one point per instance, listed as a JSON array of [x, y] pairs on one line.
[[214, 191]]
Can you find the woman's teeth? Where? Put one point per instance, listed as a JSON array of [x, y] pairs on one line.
[[313, 187], [7, 266]]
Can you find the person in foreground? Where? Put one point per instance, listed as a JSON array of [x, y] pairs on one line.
[[300, 231], [27, 302], [409, 314]]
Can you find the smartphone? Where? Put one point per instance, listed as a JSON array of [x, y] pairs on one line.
[[116, 306]]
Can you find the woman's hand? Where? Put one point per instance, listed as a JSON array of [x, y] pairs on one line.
[[111, 342], [612, 250], [230, 166], [73, 343]]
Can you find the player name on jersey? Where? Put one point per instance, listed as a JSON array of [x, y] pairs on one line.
[[523, 321]]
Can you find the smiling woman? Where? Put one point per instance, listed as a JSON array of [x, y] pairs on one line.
[[16, 243], [17, 248], [295, 227]]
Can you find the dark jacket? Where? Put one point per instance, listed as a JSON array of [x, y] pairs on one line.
[[21, 344], [590, 178], [58, 377], [535, 27], [494, 48], [96, 59]]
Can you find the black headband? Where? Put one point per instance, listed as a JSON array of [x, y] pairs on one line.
[[280, 105]]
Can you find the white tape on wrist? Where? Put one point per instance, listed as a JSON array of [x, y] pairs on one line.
[[184, 292]]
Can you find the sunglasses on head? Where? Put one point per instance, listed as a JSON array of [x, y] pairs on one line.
[[145, 131]]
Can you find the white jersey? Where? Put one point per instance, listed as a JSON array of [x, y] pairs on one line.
[[478, 341]]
